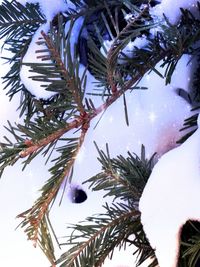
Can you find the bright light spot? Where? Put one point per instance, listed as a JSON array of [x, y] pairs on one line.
[[111, 119], [128, 16], [148, 77], [139, 142], [152, 117]]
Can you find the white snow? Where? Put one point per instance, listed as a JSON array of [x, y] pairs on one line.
[[171, 9], [128, 50], [17, 192], [50, 9], [140, 42], [171, 197], [106, 46], [35, 87], [155, 117]]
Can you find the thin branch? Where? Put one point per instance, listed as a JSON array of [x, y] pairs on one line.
[[85, 118], [116, 177], [102, 230], [35, 220], [111, 57], [66, 75], [33, 147], [51, 195]]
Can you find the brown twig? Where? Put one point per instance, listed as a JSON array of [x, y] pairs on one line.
[[85, 118], [65, 174], [34, 146], [82, 121], [42, 206]]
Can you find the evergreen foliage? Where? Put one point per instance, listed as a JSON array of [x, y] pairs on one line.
[[48, 122], [123, 179]]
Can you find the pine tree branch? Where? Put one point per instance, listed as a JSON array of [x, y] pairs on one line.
[[122, 178], [119, 42], [103, 234], [87, 117], [103, 229], [31, 146], [14, 17], [80, 120], [94, 112], [34, 219], [190, 244], [69, 80]]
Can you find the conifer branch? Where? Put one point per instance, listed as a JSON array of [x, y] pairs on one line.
[[94, 241], [45, 132], [119, 42], [69, 80], [34, 219], [122, 178], [86, 117], [97, 246], [112, 223], [32, 146], [14, 17]]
